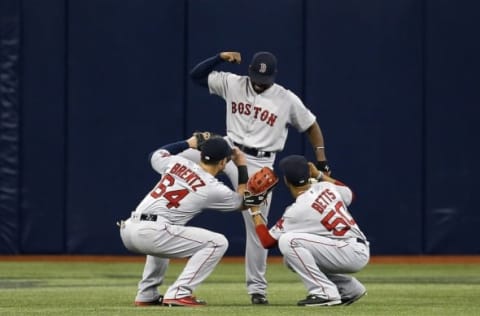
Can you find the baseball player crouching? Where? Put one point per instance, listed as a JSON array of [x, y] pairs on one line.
[[316, 235], [157, 226]]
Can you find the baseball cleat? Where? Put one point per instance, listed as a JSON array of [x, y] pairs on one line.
[[150, 303], [348, 301], [259, 299], [189, 301], [313, 300]]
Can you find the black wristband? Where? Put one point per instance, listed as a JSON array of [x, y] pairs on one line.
[[322, 166], [242, 174]]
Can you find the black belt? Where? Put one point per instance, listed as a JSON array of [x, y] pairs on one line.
[[360, 240], [148, 217], [252, 151]]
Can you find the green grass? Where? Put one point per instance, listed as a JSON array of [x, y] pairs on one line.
[[45, 288]]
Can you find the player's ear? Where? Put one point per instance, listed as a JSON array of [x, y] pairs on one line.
[[223, 162]]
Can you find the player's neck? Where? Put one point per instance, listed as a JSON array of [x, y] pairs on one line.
[[211, 169], [297, 191]]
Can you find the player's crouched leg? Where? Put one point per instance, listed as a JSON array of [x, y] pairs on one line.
[[210, 248], [286, 245], [220, 242], [214, 247], [292, 251], [298, 257]]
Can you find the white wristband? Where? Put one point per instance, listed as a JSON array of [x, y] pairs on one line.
[[252, 213], [258, 212], [320, 176]]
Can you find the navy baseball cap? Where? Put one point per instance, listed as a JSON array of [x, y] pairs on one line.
[[295, 169], [215, 149], [263, 68]]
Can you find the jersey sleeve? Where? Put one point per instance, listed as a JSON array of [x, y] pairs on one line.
[[159, 160], [200, 72], [219, 81], [345, 192], [222, 198], [277, 230], [300, 116]]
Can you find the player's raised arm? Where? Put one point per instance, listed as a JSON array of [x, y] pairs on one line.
[[319, 175], [200, 72], [347, 194]]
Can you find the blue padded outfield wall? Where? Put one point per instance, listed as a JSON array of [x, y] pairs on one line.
[[88, 88]]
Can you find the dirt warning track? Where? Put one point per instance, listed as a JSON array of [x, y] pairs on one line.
[[273, 259]]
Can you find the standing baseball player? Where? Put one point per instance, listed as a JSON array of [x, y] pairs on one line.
[[157, 226], [316, 235], [258, 114]]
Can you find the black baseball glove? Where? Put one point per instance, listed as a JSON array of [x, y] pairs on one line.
[[202, 137]]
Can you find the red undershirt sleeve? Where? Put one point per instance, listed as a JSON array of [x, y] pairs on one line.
[[265, 238]]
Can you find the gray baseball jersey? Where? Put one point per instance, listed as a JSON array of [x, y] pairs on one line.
[[322, 210], [185, 190], [259, 120]]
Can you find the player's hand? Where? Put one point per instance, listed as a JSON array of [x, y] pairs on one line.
[[323, 167], [193, 141], [314, 172], [231, 57], [238, 157]]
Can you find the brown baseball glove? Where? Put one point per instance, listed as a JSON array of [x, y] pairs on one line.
[[259, 186]]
